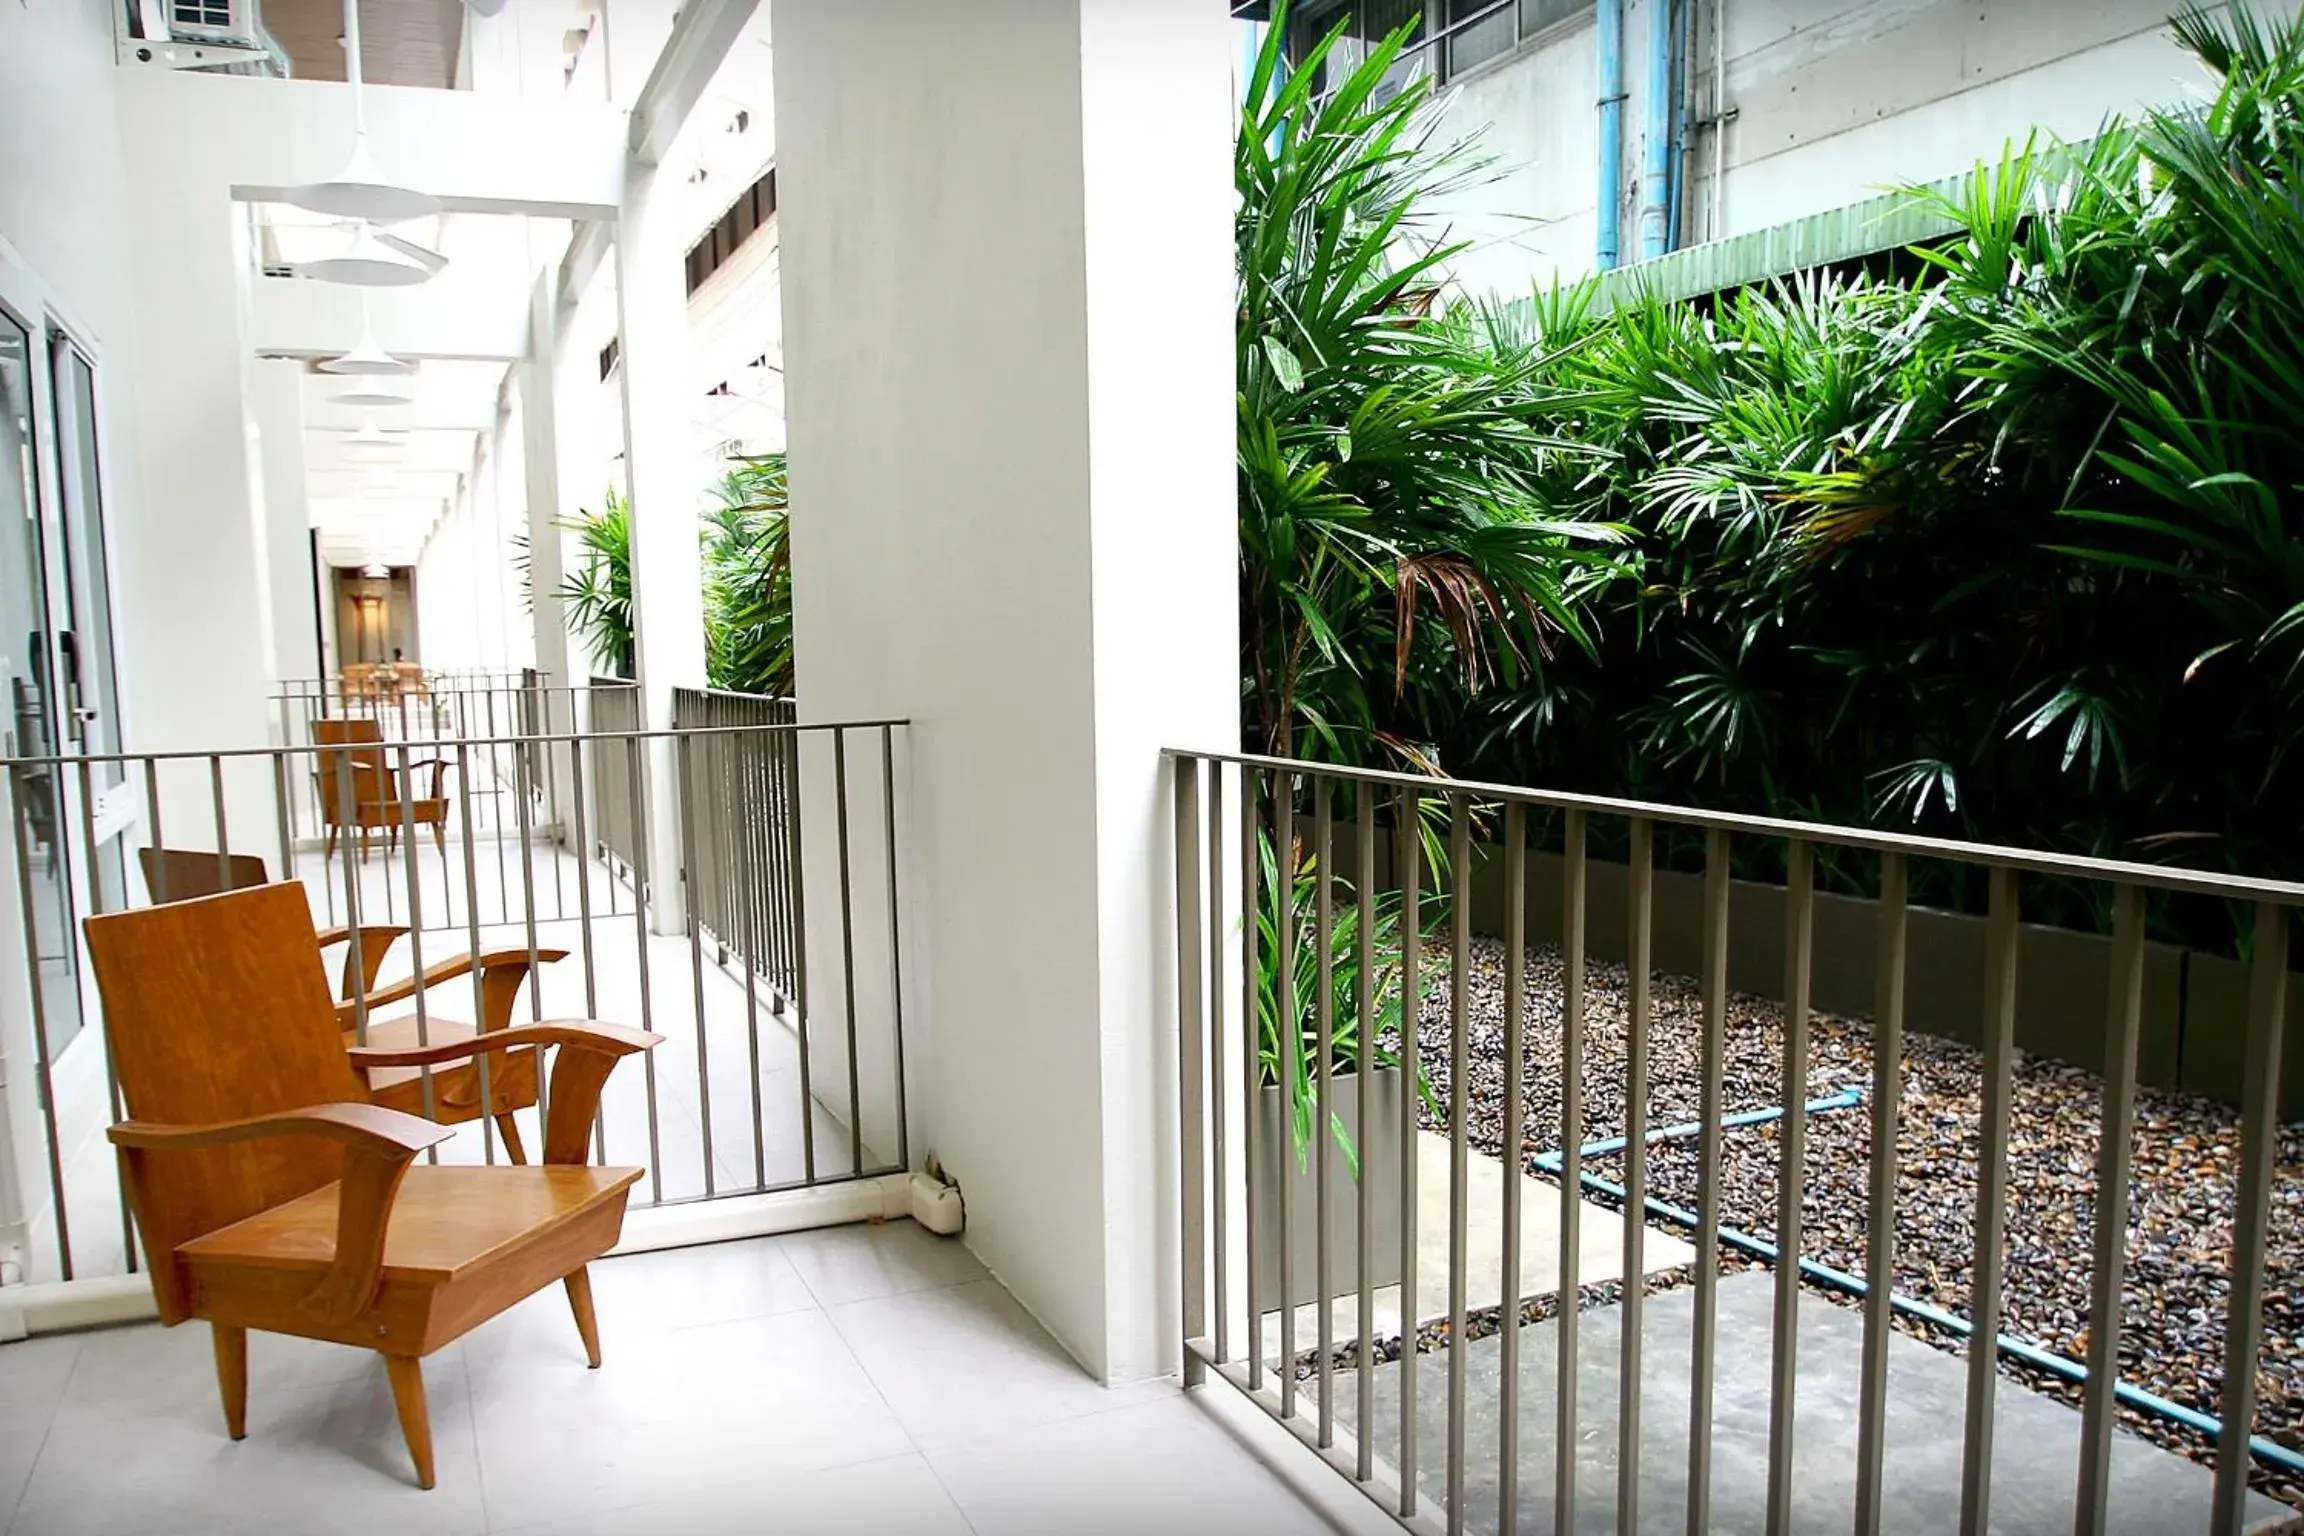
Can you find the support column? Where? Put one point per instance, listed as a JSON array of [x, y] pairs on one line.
[[664, 487], [540, 449], [1009, 381]]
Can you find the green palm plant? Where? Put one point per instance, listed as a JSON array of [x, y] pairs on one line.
[[598, 592], [748, 644], [1396, 553], [1288, 1048]]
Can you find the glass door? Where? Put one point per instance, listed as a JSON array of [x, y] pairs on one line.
[[30, 724], [79, 577]]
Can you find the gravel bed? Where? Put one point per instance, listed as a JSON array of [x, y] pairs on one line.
[[2182, 1194]]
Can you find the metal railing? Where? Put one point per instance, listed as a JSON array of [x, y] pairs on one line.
[[613, 705], [1277, 858], [752, 1092], [744, 790]]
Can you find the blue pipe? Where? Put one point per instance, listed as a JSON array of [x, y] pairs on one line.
[[1656, 177], [1610, 17], [2016, 1349], [1608, 1146]]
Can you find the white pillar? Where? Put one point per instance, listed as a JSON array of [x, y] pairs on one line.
[[664, 489], [1007, 288], [540, 427], [278, 407]]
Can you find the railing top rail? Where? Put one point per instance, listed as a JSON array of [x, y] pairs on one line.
[[2036, 861], [733, 693], [437, 743]]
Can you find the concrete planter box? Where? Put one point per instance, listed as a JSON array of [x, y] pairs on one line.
[[2194, 1024], [1380, 1144]]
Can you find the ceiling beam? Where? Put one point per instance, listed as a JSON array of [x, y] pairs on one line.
[[701, 39]]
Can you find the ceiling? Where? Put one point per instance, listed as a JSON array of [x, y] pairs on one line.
[[381, 510], [402, 42]]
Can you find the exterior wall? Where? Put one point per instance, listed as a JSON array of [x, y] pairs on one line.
[[1829, 102]]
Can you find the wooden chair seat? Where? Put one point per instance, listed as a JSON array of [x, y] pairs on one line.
[[458, 1243]]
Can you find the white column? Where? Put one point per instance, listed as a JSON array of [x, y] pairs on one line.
[[278, 407], [1007, 303], [664, 486], [540, 426]]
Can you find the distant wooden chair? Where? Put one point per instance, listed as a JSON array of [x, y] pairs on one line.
[[272, 1193], [179, 874], [361, 792]]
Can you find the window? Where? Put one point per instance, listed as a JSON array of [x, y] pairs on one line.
[[1480, 30], [744, 218], [1366, 23]]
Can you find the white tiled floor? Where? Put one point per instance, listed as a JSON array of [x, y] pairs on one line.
[[857, 1380]]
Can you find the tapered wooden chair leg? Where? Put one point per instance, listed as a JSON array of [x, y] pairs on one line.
[[407, 1373], [514, 1149], [580, 1302], [232, 1376]]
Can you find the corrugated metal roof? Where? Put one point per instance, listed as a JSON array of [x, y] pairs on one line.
[[1885, 223]]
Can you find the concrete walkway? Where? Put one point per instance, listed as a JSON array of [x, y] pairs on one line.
[[1600, 1248], [2036, 1439]]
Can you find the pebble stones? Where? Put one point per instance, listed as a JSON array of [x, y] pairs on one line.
[[2186, 1151]]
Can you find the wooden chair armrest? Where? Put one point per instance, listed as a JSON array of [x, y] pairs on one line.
[[376, 941], [590, 1052], [378, 1143], [501, 972], [354, 1125]]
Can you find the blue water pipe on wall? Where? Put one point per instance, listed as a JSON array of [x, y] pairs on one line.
[[1661, 130], [1610, 17]]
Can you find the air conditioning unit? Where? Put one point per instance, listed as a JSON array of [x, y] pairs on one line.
[[221, 36]]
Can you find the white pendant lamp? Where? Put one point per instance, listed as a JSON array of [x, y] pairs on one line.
[[367, 263], [370, 445], [375, 396], [368, 359], [358, 191]]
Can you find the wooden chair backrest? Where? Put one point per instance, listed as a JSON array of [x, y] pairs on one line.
[[180, 874], [217, 1009], [361, 762]]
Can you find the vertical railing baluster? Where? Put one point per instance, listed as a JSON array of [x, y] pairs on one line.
[[848, 950], [484, 1061], [1289, 1033], [1459, 1142], [1791, 1177], [1570, 1324], [2251, 1214], [1190, 1065], [642, 860], [684, 783], [1514, 1137], [1639, 968], [2123, 1027], [896, 939], [1410, 830], [1220, 1187], [1364, 1004], [1323, 1103], [43, 1062], [1706, 1333], [426, 1089], [803, 1025], [1880, 1210], [1251, 1055], [1991, 1202]]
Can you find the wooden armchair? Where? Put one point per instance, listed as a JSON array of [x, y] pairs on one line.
[[360, 791], [178, 874], [272, 1193]]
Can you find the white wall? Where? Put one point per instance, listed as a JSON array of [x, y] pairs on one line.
[[1009, 401], [1830, 102]]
